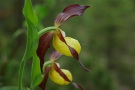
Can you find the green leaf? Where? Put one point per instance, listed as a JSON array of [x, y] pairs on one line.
[[32, 37], [29, 13], [32, 33], [36, 72]]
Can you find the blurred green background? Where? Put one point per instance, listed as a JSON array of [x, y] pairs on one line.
[[106, 33]]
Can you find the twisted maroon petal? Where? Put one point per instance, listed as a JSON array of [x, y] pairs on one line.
[[68, 12], [61, 73], [72, 50]]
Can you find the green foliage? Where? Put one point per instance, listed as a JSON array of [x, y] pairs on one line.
[[36, 72], [31, 47], [29, 13], [32, 33]]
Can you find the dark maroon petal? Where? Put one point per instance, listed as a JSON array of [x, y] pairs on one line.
[[72, 50], [61, 36], [42, 85], [68, 12], [61, 73], [44, 44], [76, 56], [55, 55], [77, 86]]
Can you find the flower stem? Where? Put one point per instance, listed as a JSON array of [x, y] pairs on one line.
[[41, 32], [21, 73]]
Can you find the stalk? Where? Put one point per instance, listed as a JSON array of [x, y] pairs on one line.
[[21, 73], [41, 32]]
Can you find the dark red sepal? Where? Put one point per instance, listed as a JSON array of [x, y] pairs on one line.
[[42, 85], [44, 44], [77, 86], [72, 50], [61, 73], [68, 12]]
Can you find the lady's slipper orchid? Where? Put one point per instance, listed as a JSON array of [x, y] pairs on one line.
[[57, 75], [64, 45]]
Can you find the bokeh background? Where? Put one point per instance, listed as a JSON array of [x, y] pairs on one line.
[[106, 33]]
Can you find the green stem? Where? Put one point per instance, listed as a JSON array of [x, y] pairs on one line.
[[41, 32], [21, 73], [47, 64]]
